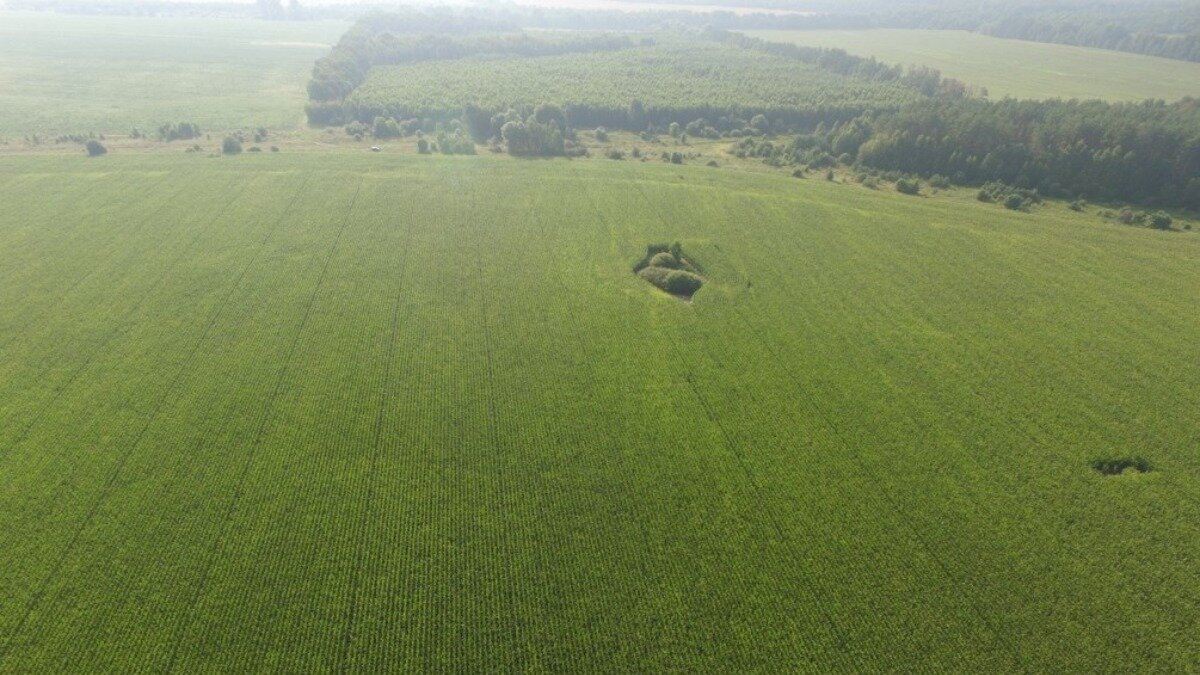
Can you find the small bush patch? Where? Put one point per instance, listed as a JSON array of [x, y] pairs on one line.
[[666, 267], [1118, 466]]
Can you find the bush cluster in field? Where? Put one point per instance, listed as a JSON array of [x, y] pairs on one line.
[[666, 267]]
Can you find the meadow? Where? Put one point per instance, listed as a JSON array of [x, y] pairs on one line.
[[66, 75], [342, 410], [1016, 68]]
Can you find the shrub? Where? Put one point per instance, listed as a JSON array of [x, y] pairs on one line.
[[1015, 202], [1161, 220], [231, 145], [1076, 205], [829, 175], [908, 186], [939, 181], [182, 131], [95, 148], [274, 148], [665, 260], [711, 162], [601, 134], [676, 158], [635, 153], [870, 182], [423, 146], [675, 282], [254, 148], [615, 154], [385, 127]]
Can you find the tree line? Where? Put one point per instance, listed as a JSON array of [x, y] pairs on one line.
[[1147, 152], [386, 39]]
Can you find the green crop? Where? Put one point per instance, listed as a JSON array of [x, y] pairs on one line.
[[314, 412]]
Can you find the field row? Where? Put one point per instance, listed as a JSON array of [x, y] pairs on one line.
[[407, 415]]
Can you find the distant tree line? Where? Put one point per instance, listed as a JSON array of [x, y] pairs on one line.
[[926, 81], [1166, 28], [396, 39], [373, 42], [1147, 152]]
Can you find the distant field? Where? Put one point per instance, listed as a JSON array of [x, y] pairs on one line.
[[1015, 67], [354, 412], [69, 74], [692, 79]]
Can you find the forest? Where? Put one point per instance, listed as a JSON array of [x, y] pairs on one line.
[[1147, 153], [412, 71]]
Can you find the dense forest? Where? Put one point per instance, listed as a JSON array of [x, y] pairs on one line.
[[672, 81], [679, 76], [1145, 152]]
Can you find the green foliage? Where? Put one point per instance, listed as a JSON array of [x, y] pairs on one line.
[[673, 81], [385, 127], [908, 186], [532, 138], [1144, 152], [1118, 466], [182, 131], [665, 260], [457, 143], [674, 281], [1012, 198], [95, 148], [232, 145], [1161, 220]]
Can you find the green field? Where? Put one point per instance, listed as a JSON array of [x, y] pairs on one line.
[[683, 77], [303, 412], [67, 74], [1015, 67]]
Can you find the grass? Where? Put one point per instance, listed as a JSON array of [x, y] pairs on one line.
[[309, 411], [69, 74], [1015, 68]]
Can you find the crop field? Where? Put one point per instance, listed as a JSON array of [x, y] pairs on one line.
[[1016, 68], [318, 411], [65, 75], [673, 76]]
